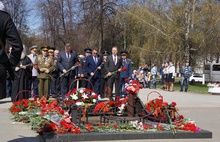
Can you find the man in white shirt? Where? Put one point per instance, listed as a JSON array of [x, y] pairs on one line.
[[34, 80]]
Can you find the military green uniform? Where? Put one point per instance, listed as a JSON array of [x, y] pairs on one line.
[[45, 63]]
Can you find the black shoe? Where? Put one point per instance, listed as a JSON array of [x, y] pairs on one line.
[[181, 90], [185, 90]]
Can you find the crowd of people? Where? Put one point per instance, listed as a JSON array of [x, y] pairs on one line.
[[54, 73]]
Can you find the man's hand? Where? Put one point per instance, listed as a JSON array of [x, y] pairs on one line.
[[41, 70], [64, 71], [78, 75], [23, 67], [82, 75], [73, 68], [99, 68], [47, 71], [92, 74], [119, 70], [109, 74], [17, 68]]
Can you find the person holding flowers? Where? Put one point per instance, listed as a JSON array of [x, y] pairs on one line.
[[125, 75], [45, 66], [113, 67]]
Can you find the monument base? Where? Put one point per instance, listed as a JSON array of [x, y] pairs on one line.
[[203, 134]]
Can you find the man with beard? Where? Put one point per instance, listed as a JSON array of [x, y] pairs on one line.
[[24, 71], [9, 33]]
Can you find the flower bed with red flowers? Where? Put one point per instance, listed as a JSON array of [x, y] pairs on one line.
[[46, 116]]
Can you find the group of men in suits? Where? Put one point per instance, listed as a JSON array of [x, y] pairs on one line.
[[104, 71]]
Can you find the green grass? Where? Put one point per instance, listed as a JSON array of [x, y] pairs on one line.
[[196, 88]]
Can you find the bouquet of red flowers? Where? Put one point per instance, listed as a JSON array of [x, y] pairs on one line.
[[115, 72]]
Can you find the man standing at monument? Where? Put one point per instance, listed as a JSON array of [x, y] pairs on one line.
[[66, 61], [45, 66], [113, 68], [33, 81], [9, 33]]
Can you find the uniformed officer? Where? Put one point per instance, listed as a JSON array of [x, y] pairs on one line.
[[54, 83], [125, 75], [45, 66], [81, 69], [9, 33], [103, 73]]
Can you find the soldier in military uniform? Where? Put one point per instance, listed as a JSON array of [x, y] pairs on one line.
[[81, 69], [45, 66], [125, 75], [103, 73]]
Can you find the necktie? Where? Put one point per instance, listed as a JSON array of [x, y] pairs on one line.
[[115, 59], [96, 60], [68, 56]]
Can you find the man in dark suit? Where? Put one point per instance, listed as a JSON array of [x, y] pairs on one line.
[[93, 67], [113, 64], [9, 33], [66, 60], [103, 83]]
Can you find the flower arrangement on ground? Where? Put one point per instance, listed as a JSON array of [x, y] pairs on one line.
[[133, 87], [81, 97]]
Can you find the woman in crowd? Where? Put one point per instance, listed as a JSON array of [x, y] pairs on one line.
[[171, 75]]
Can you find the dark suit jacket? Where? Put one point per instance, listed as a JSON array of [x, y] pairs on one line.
[[63, 62], [91, 66], [9, 33], [110, 65]]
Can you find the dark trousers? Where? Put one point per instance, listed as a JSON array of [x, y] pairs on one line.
[[103, 83], [96, 84], [111, 81], [65, 83], [33, 85], [54, 87], [122, 87], [8, 87], [3, 77]]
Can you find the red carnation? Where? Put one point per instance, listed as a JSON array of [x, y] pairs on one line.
[[115, 126]]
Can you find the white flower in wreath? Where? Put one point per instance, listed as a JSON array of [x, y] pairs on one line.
[[74, 96], [79, 103], [81, 91], [85, 96], [94, 100]]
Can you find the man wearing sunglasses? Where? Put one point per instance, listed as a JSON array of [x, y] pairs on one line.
[[93, 67]]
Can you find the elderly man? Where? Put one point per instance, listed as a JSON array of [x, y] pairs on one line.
[[33, 80], [113, 64], [66, 61], [9, 33], [45, 65], [54, 85]]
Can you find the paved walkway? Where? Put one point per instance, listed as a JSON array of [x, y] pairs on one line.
[[203, 108]]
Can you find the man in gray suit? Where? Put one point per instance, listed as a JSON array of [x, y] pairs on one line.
[[66, 61], [113, 63]]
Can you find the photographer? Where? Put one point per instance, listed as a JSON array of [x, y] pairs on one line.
[[186, 72]]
